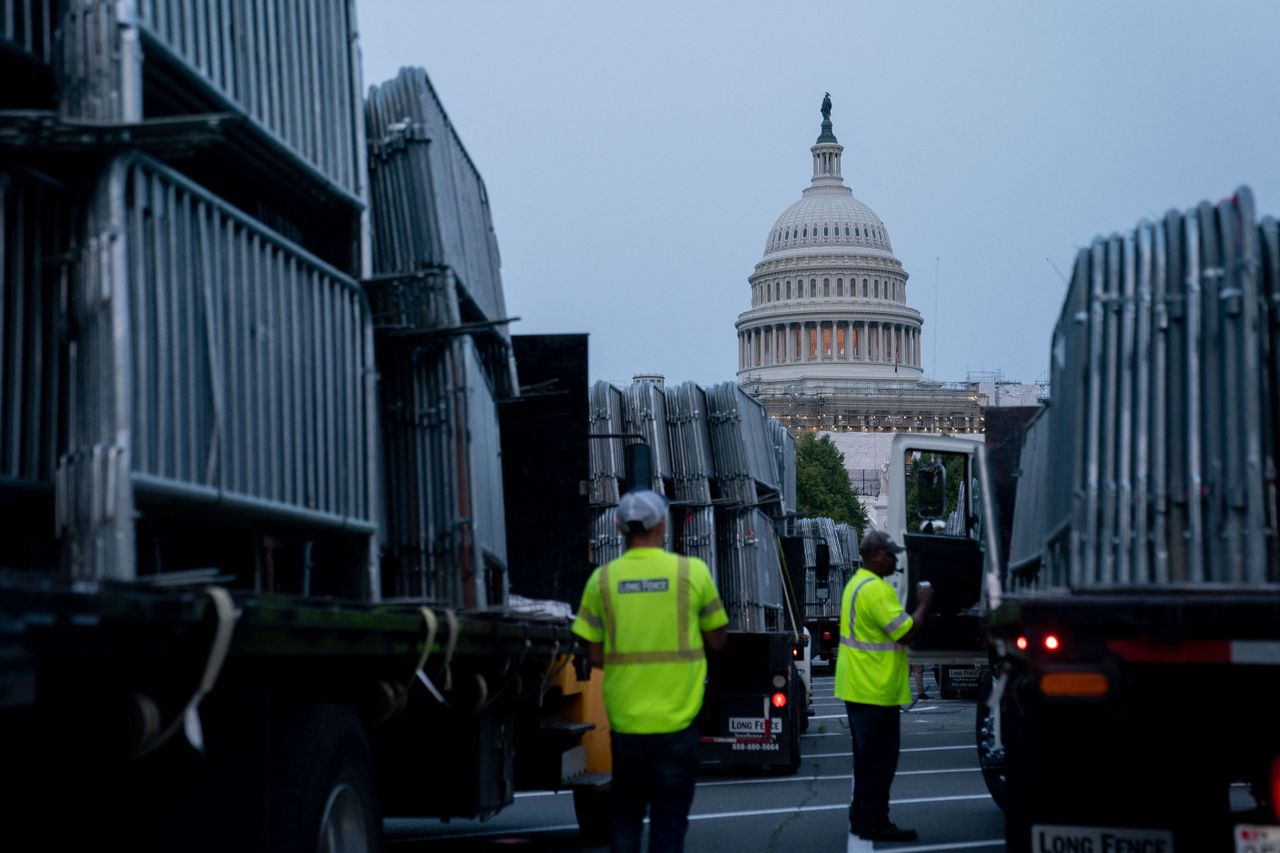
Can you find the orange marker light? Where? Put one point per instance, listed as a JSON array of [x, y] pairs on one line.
[[1078, 685], [779, 700], [1021, 643], [1051, 643]]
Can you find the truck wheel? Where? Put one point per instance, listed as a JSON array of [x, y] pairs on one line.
[[989, 758], [593, 808], [324, 797]]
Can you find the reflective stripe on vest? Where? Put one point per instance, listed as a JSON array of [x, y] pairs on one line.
[[853, 618], [683, 651]]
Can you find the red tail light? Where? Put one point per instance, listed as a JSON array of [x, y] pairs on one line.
[[1021, 643], [1052, 643], [1275, 787], [826, 635], [779, 700]]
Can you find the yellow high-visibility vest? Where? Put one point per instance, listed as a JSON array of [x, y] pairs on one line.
[[649, 609], [871, 665]]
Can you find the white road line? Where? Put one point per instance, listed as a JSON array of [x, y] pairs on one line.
[[524, 794], [908, 749], [829, 717], [845, 806], [566, 827], [829, 777], [958, 845]]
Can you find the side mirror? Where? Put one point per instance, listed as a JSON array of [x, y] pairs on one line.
[[638, 462], [822, 566]]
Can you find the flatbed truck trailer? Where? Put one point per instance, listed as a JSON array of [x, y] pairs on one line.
[[1132, 628], [197, 718]]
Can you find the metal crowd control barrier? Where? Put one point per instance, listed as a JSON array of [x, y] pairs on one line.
[[1031, 511], [607, 463], [604, 540], [742, 447], [446, 531], [850, 554], [1164, 411], [430, 206], [27, 28], [784, 450], [749, 572], [645, 413], [290, 67], [692, 463], [215, 364], [815, 531], [36, 229], [696, 536]]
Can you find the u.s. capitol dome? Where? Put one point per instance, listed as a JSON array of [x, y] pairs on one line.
[[828, 299]]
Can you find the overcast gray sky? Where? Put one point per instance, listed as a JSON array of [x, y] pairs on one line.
[[637, 154]]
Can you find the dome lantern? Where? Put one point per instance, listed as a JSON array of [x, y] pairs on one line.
[[826, 152]]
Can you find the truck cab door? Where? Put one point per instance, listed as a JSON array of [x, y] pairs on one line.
[[935, 511]]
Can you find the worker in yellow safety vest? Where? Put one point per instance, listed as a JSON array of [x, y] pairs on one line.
[[871, 678], [648, 618]]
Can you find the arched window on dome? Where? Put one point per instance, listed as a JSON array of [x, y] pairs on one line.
[[826, 287], [788, 290], [813, 288], [864, 287], [824, 231], [806, 231], [839, 287], [875, 288], [846, 229]]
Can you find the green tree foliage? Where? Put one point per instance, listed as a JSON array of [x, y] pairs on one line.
[[822, 484]]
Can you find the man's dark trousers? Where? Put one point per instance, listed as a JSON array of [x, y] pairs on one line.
[[876, 732], [654, 772]]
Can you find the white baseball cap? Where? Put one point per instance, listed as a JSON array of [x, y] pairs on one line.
[[644, 507]]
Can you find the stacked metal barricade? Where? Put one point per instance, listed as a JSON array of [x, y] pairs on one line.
[[35, 228], [815, 531], [645, 415], [745, 459], [175, 354], [850, 553], [607, 464], [202, 337], [784, 449], [725, 469], [443, 349], [693, 466], [435, 255], [1155, 462]]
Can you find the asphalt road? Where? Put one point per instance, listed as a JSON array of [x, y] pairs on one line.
[[938, 791]]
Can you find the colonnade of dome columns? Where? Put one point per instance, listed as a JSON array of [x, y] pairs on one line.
[[840, 341]]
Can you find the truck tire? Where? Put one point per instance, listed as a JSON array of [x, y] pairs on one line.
[[324, 797], [593, 808], [992, 764]]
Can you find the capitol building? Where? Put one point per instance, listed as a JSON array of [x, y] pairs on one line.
[[829, 342]]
